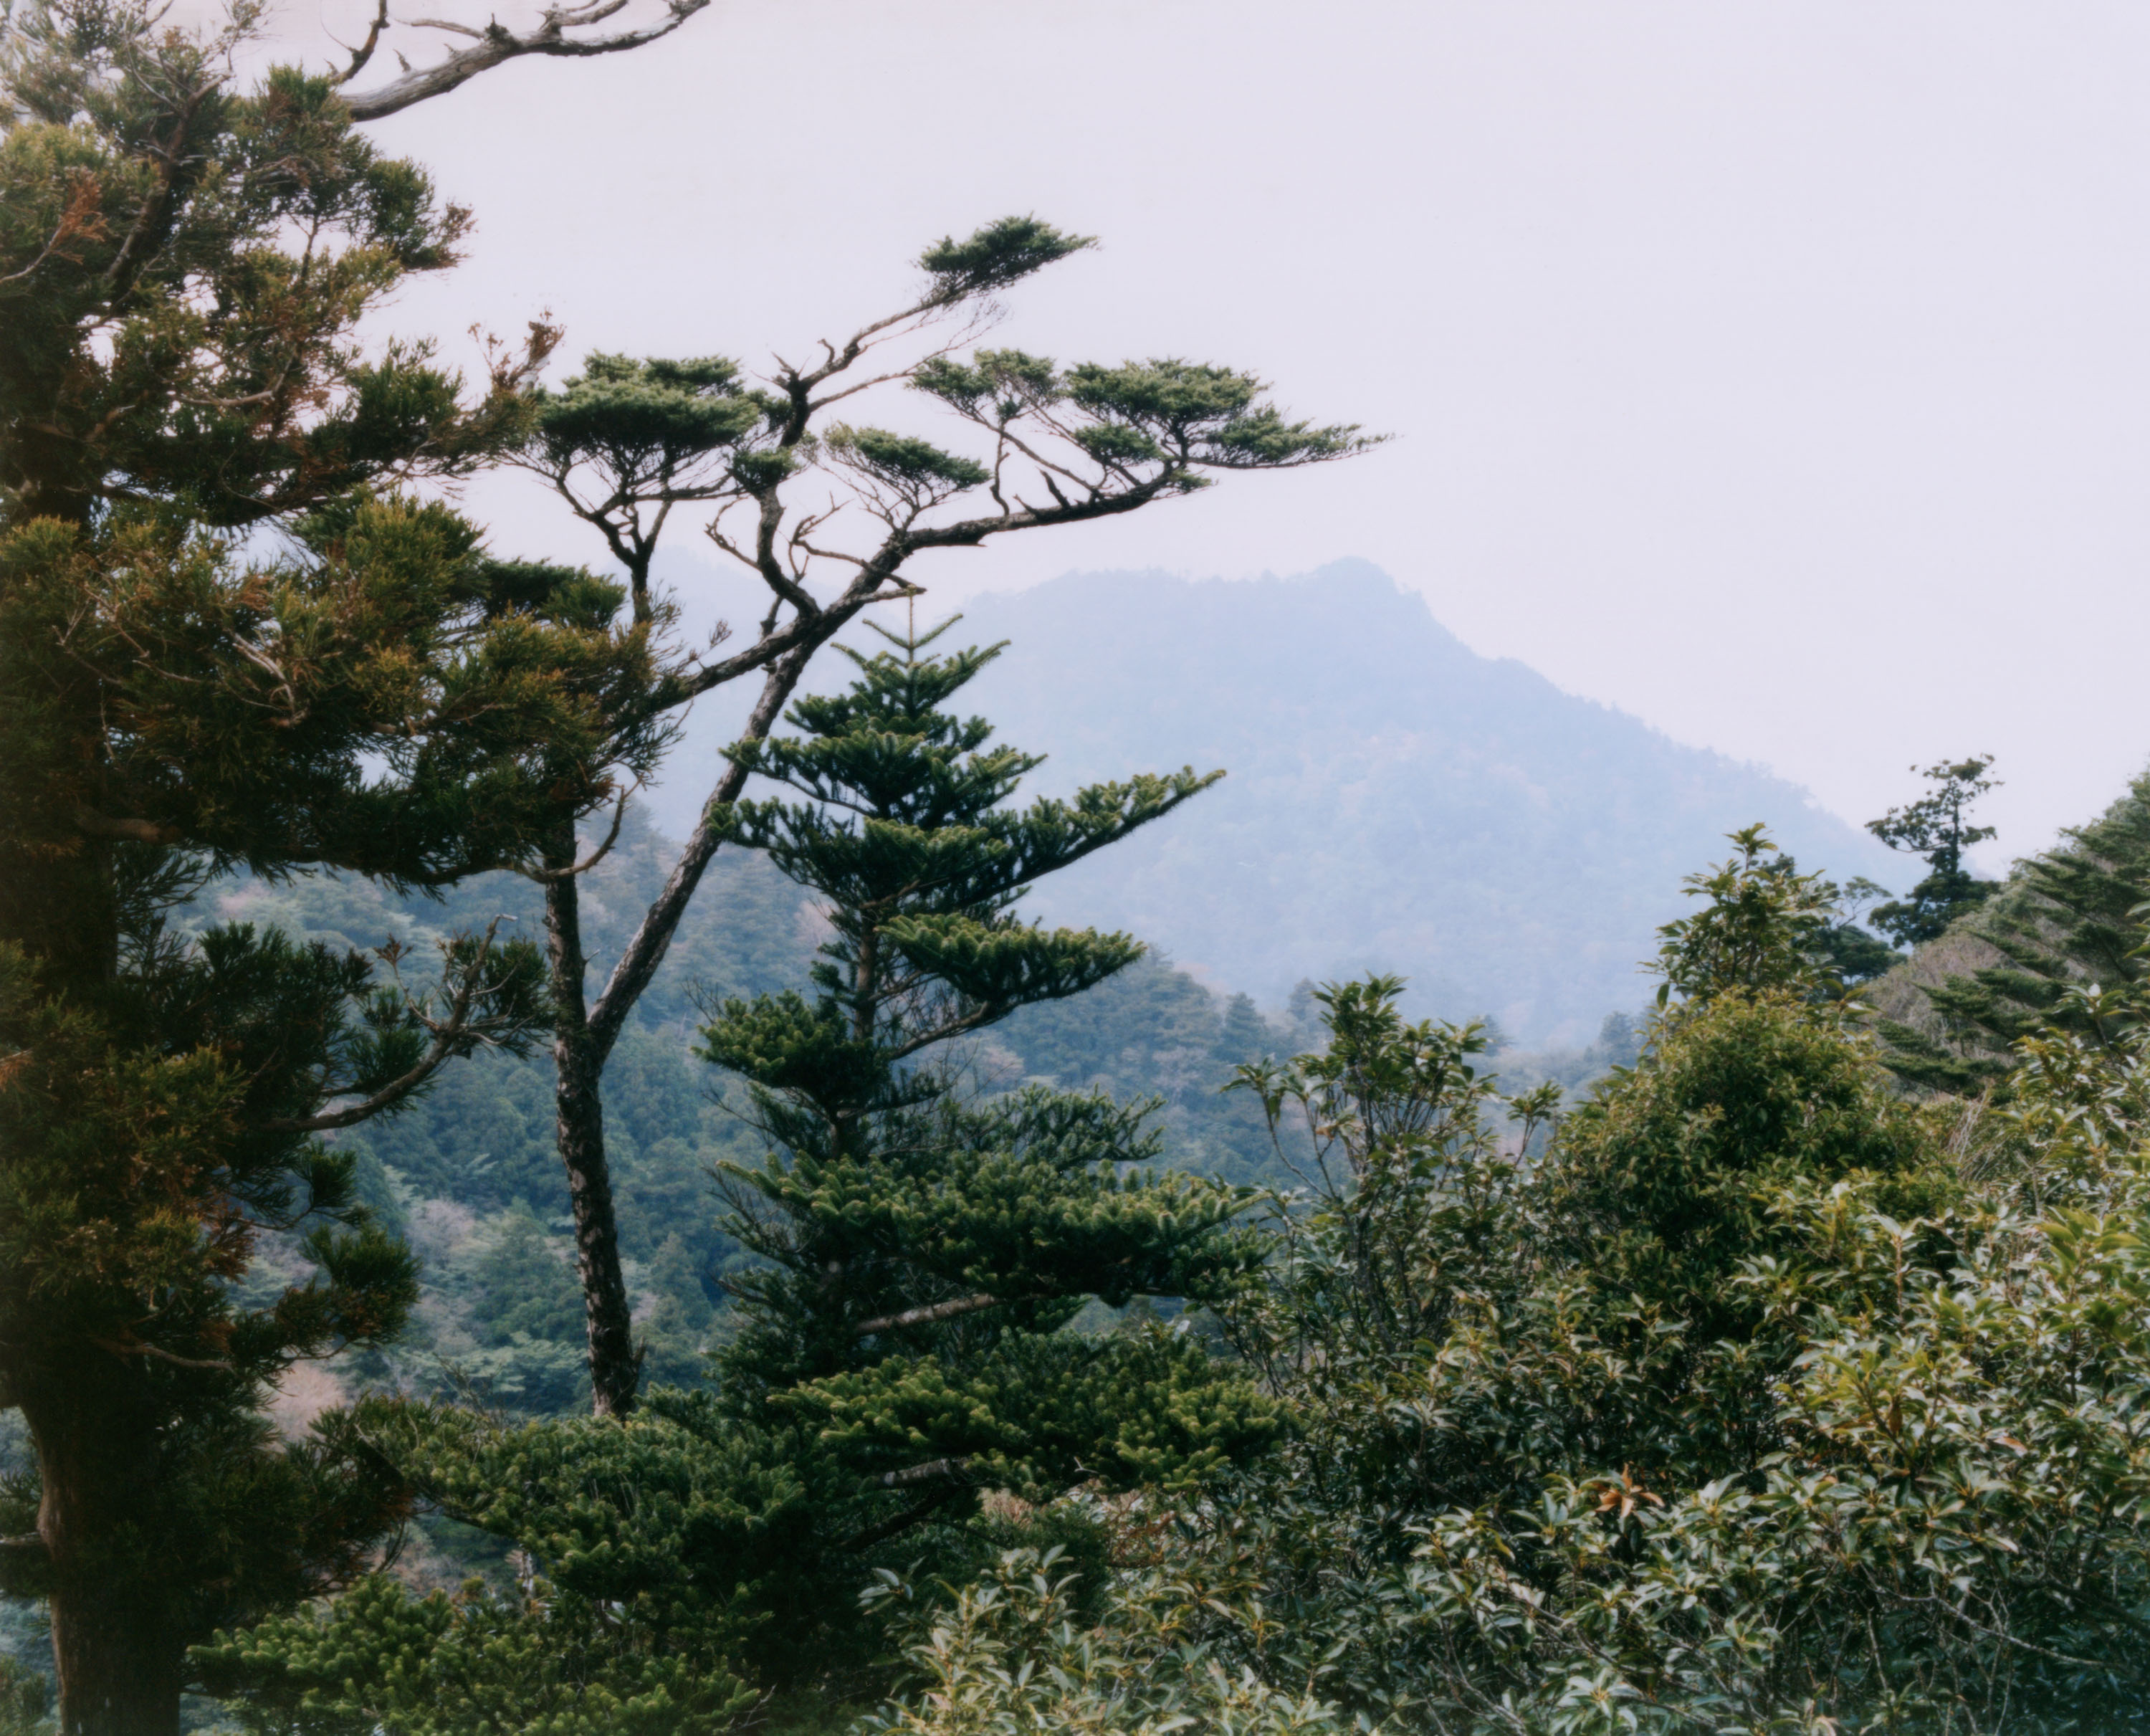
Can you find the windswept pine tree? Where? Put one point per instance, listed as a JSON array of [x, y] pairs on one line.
[[823, 518]]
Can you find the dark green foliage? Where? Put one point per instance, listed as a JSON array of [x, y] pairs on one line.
[[1902, 1494], [1933, 828], [1847, 952], [185, 270], [1666, 1175], [24, 1698], [1000, 254], [890, 1354], [1167, 417], [897, 1222]]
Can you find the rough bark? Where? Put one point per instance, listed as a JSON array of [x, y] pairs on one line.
[[582, 1041], [119, 1665], [578, 1101]]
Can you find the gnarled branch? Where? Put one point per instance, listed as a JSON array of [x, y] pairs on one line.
[[496, 43]]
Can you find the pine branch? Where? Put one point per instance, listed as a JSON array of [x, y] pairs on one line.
[[901, 1522], [449, 1036]]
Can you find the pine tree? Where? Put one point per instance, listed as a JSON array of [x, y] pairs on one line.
[[2060, 921], [628, 443], [184, 270], [900, 1353]]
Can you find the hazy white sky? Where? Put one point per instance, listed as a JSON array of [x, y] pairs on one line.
[[1778, 372]]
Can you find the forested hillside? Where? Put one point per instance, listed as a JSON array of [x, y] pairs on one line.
[[469, 1172], [554, 1181], [1395, 801]]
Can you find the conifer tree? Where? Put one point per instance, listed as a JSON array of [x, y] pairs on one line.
[[919, 1251], [627, 443], [2061, 921], [184, 268], [1935, 829]]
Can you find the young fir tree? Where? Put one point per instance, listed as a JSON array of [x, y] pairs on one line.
[[899, 1353], [184, 268], [921, 1250], [628, 442]]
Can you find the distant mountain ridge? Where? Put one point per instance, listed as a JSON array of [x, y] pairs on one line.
[[1395, 801]]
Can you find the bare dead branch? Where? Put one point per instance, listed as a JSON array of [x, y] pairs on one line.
[[496, 43], [925, 1316], [364, 52], [933, 1472]]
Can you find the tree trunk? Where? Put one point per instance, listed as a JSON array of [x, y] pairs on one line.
[[115, 1678], [582, 1044], [120, 1658], [578, 1059]]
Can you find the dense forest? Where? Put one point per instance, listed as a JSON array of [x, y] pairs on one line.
[[476, 1262]]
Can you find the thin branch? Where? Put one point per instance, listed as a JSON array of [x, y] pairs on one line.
[[925, 1316], [448, 1034], [573, 869], [904, 1520], [364, 52], [134, 831], [204, 1364]]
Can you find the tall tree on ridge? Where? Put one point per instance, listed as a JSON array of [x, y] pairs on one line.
[[627, 442], [1934, 828]]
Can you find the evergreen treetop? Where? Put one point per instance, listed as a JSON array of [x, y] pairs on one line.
[[916, 1257], [2063, 919], [1934, 828]]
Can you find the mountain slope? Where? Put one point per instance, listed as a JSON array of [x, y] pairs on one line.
[[1395, 801]]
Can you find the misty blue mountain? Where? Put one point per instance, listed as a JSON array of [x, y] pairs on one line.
[[1395, 801]]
